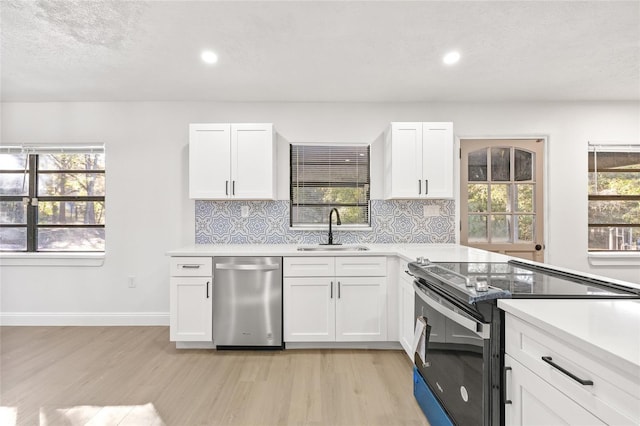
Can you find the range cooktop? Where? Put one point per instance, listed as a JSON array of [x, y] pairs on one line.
[[516, 280]]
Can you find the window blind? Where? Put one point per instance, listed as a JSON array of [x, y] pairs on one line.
[[328, 176], [52, 149]]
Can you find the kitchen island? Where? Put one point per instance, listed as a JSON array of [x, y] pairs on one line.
[[579, 359]]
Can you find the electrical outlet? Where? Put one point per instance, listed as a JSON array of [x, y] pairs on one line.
[[131, 281], [244, 211], [431, 210]]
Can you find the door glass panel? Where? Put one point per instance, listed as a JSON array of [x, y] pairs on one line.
[[478, 165], [478, 196], [523, 167], [478, 228], [500, 228], [524, 198], [500, 164], [525, 227], [500, 196]]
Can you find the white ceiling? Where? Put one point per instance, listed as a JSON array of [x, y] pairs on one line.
[[320, 50]]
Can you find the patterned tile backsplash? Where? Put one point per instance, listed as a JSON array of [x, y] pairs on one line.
[[392, 221]]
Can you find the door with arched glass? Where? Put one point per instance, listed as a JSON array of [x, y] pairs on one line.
[[501, 198]]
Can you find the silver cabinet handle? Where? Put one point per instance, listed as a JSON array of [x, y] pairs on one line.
[[190, 266], [233, 267], [208, 289], [331, 296], [419, 187], [233, 187], [504, 385], [426, 186], [338, 289], [226, 187]]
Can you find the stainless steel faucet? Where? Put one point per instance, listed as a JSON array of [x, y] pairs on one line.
[[330, 243]]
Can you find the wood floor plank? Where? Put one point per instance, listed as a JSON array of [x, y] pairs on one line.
[[134, 375]]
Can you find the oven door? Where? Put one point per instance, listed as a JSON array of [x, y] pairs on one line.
[[457, 368]]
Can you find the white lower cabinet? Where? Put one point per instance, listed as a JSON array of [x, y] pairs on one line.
[[361, 309], [550, 381], [309, 309], [330, 308], [190, 299]]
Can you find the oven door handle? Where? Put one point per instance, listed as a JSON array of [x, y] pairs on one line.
[[475, 327]]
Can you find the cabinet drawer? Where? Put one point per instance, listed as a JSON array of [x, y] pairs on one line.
[[613, 397], [536, 402], [309, 267], [361, 266], [191, 267]]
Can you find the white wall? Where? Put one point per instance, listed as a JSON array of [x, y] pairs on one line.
[[148, 210]]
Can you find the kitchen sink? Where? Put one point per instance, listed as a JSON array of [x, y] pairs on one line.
[[333, 248]]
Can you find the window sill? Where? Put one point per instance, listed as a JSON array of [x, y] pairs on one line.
[[618, 258], [52, 259], [325, 228]]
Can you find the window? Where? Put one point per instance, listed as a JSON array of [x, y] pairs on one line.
[[328, 176], [614, 197], [52, 199]]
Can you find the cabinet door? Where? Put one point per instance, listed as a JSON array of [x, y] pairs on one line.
[[437, 160], [407, 320], [405, 155], [209, 161], [535, 402], [361, 313], [252, 159], [309, 309], [190, 309]]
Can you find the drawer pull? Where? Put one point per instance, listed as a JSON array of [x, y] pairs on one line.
[[190, 266], [504, 385], [583, 382]]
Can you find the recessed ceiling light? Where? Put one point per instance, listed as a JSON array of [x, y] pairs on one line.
[[451, 58], [209, 57]]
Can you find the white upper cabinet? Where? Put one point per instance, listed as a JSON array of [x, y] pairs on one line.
[[419, 160], [231, 161]]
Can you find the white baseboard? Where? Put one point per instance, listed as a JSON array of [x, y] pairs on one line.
[[344, 345], [195, 345], [84, 318]]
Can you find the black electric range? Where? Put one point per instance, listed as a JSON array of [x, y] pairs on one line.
[[462, 365]]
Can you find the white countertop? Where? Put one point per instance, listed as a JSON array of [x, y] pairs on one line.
[[607, 329], [409, 252]]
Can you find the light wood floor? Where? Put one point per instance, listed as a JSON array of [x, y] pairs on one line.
[[135, 376]]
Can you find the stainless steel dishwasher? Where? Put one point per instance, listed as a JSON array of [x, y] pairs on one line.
[[247, 302]]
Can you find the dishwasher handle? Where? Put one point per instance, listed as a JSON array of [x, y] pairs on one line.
[[237, 267]]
